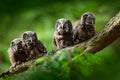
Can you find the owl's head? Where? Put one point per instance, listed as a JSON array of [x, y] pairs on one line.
[[63, 26], [16, 45], [29, 38], [88, 19]]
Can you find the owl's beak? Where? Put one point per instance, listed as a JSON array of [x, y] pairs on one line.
[[62, 25], [15, 48], [30, 41]]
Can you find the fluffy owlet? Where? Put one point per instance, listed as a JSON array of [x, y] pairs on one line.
[[63, 33], [84, 28], [16, 52], [34, 47]]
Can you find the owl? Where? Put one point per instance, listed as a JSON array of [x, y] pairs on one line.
[[63, 36], [34, 48], [84, 28], [16, 52]]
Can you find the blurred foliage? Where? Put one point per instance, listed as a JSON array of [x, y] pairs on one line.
[[67, 66], [17, 16]]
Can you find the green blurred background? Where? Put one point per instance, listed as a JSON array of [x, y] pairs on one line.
[[17, 16]]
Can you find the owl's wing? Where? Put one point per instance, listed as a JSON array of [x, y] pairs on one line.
[[12, 56], [54, 41], [54, 37], [41, 47], [74, 35]]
